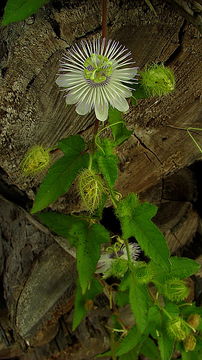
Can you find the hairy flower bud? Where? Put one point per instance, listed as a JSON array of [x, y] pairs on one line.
[[118, 268], [91, 189], [36, 159], [143, 273], [194, 320], [158, 80], [190, 343], [177, 328], [175, 290]]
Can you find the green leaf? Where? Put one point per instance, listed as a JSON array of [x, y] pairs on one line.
[[133, 338], [59, 179], [88, 252], [131, 355], [150, 350], [191, 309], [108, 167], [138, 93], [154, 320], [139, 301], [80, 309], [105, 354], [182, 267], [119, 131], [107, 161], [190, 355], [73, 145], [122, 298], [166, 345], [70, 227], [136, 222], [86, 238], [17, 10]]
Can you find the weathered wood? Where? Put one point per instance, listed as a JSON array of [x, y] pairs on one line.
[[38, 278], [33, 111], [191, 9]]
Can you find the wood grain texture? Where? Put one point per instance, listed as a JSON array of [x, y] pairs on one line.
[[33, 109]]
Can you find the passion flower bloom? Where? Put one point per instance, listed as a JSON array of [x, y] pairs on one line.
[[115, 263], [97, 74]]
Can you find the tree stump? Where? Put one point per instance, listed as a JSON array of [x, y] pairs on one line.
[[37, 268]]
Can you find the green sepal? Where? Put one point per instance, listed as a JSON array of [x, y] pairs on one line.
[[80, 304], [17, 10], [119, 131], [61, 174]]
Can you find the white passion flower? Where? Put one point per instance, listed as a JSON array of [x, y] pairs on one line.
[[96, 74]]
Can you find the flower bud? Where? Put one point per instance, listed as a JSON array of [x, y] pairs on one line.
[[175, 290], [177, 328], [143, 273], [91, 188], [158, 80], [117, 269], [194, 320], [190, 343], [36, 159]]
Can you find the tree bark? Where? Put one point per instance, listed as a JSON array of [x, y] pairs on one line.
[[37, 268]]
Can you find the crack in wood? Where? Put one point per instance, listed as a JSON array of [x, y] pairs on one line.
[[179, 48], [148, 149]]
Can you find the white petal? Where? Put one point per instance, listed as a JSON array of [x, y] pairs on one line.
[[83, 108], [120, 104], [127, 73], [62, 81], [101, 110], [70, 99]]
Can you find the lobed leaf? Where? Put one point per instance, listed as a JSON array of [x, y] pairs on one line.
[[85, 237], [88, 252], [64, 225], [182, 267], [136, 222]]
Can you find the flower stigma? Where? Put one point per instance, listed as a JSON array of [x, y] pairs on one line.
[[98, 69]]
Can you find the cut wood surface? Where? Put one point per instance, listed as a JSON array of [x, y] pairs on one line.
[[37, 268], [33, 110]]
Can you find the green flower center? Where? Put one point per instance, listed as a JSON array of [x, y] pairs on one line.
[[97, 68]]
